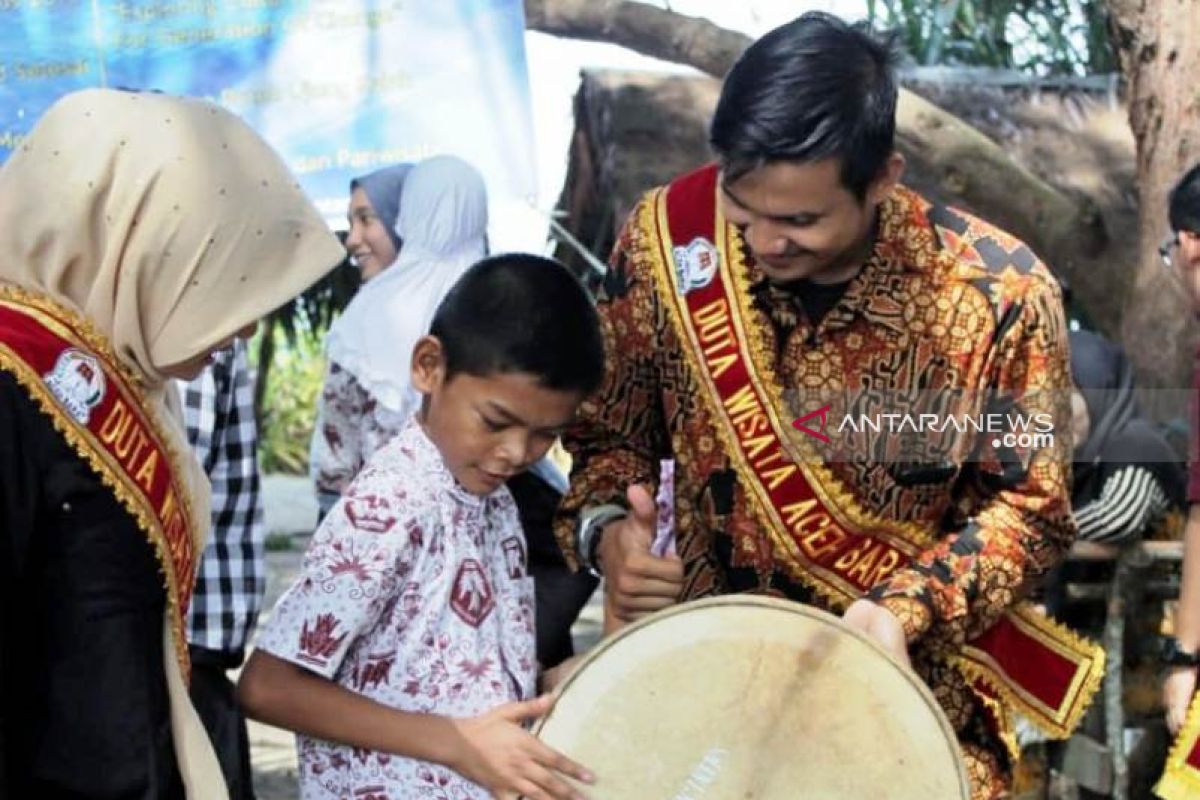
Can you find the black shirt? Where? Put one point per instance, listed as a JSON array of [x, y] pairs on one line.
[[817, 299], [84, 709]]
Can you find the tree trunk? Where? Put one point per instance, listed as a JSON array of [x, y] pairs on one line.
[[1158, 42], [1068, 232]]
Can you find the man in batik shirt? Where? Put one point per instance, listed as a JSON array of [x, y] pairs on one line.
[[797, 282]]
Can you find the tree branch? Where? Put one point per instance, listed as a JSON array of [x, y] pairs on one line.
[[970, 168], [642, 28]]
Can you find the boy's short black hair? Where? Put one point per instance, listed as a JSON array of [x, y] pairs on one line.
[[812, 89], [1185, 202], [522, 313]]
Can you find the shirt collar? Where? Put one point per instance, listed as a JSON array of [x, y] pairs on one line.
[[905, 242], [431, 464]]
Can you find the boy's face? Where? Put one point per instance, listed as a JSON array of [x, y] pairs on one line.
[[487, 429]]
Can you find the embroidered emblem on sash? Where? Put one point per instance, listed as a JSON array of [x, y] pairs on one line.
[[696, 264], [77, 381]]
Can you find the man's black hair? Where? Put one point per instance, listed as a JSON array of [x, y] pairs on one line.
[[522, 313], [812, 89], [1185, 202]]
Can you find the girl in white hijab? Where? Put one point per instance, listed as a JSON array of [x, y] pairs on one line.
[[374, 210], [139, 233], [367, 396]]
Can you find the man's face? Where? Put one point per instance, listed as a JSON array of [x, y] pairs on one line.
[[800, 222], [488, 429], [1182, 254], [1188, 250]]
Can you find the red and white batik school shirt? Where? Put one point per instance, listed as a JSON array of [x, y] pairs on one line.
[[413, 593]]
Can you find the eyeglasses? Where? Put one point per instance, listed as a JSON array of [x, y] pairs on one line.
[[1166, 249]]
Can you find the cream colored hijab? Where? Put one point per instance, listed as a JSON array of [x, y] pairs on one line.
[[165, 221], [170, 225]]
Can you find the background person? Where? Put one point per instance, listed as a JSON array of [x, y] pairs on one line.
[[367, 396], [218, 412]]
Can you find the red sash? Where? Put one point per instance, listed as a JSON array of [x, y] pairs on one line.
[[71, 373], [1181, 778], [816, 525]]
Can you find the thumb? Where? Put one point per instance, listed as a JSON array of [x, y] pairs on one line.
[[527, 709], [858, 615], [642, 505]]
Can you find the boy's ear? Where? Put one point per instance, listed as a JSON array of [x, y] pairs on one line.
[[428, 364]]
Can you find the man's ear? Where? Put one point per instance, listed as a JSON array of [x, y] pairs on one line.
[[428, 364], [889, 177]]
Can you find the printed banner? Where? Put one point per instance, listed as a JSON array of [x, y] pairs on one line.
[[339, 87]]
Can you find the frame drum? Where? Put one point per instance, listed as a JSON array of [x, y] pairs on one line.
[[752, 698]]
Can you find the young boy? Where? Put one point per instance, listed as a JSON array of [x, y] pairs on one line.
[[404, 653]]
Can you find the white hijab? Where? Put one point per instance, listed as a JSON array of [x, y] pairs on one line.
[[443, 224]]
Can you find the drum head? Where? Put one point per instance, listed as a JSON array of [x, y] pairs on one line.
[[751, 698]]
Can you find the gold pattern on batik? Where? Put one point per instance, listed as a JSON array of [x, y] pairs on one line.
[[914, 615], [989, 778], [936, 305]]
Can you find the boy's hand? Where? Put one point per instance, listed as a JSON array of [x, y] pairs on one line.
[[636, 582], [508, 761]]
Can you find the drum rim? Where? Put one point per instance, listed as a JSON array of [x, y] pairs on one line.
[[777, 604]]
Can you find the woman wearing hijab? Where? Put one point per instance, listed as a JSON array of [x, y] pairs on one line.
[[373, 214], [442, 223], [127, 257], [1126, 477]]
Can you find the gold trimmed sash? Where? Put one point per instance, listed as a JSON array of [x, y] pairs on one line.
[[1181, 778], [72, 375], [823, 536]]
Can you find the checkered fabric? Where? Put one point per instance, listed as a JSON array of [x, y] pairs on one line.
[[219, 413]]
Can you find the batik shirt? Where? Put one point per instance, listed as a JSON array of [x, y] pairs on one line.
[[413, 593], [350, 426], [943, 301]]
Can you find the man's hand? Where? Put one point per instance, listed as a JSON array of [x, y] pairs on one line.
[[636, 583], [881, 625], [1178, 689], [507, 760]]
